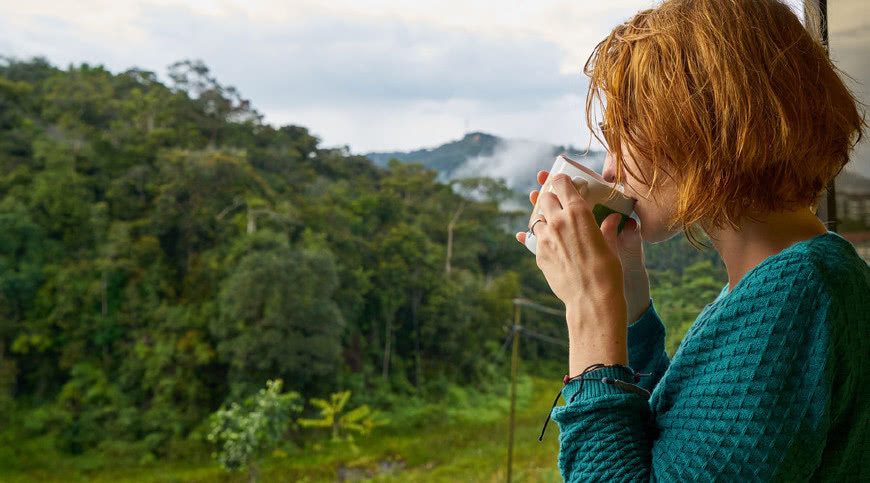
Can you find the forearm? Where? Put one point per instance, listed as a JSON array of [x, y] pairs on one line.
[[595, 335]]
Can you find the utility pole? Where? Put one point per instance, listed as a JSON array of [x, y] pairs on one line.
[[515, 360]]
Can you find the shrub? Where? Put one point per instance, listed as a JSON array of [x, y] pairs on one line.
[[244, 432]]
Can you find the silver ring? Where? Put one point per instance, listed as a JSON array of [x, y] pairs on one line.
[[532, 228]]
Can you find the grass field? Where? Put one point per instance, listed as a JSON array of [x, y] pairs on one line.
[[468, 444]]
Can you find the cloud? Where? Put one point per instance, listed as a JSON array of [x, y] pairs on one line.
[[332, 59], [370, 81]]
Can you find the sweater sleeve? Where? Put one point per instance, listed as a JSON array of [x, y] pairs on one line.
[[646, 347], [743, 393]]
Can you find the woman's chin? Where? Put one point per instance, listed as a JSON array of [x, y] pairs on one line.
[[653, 234], [646, 236]]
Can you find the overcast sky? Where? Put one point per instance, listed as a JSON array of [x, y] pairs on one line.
[[371, 74]]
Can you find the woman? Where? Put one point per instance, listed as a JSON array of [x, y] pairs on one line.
[[729, 118]]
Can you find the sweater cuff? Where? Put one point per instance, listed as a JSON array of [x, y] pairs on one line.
[[645, 333], [594, 389], [645, 324]]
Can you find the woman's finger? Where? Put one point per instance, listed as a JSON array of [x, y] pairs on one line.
[[549, 204], [533, 197], [566, 191], [521, 237], [609, 227], [542, 176]]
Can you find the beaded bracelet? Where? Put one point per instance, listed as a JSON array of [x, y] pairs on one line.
[[606, 380]]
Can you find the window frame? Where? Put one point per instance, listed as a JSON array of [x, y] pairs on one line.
[[827, 209]]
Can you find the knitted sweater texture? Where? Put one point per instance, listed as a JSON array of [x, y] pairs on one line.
[[769, 384]]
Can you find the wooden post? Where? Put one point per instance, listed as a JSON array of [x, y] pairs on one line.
[[515, 356]]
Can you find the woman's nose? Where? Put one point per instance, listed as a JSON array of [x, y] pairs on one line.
[[609, 170]]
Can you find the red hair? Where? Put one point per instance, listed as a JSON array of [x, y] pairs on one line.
[[734, 100]]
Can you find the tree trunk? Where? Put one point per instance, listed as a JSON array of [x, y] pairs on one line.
[[252, 221], [103, 293], [352, 354], [42, 382], [212, 142], [415, 305], [388, 336], [450, 235]]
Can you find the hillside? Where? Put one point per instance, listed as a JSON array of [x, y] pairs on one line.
[[164, 253], [447, 157]]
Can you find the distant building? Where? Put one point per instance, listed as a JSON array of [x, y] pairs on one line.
[[853, 197], [855, 206], [861, 241]]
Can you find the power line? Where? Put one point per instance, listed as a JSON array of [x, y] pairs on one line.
[[503, 346], [540, 308], [542, 337], [506, 340]]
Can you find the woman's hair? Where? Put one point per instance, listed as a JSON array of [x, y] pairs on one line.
[[734, 100]]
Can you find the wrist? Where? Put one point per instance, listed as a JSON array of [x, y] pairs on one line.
[[586, 348], [590, 313], [596, 333]]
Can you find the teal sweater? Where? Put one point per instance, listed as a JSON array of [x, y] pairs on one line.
[[770, 383]]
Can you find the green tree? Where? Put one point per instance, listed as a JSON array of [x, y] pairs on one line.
[[245, 432], [277, 317]]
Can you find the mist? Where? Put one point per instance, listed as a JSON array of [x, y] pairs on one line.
[[518, 161]]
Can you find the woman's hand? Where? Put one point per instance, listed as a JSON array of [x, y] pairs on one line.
[[579, 260], [581, 265], [630, 252]]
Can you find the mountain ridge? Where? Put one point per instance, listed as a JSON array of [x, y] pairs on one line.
[[518, 160]]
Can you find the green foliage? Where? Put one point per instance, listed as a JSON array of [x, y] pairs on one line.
[[342, 423], [162, 250], [277, 315], [679, 300], [93, 409], [244, 432]]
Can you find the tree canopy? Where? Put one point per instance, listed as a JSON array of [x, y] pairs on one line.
[[164, 251]]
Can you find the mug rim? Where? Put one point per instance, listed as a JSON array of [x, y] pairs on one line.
[[597, 177]]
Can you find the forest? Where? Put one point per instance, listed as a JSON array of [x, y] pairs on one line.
[[164, 253]]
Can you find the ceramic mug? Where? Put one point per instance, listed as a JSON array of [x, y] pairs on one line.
[[592, 187]]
